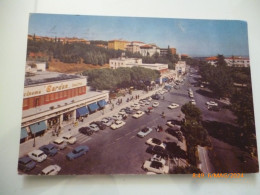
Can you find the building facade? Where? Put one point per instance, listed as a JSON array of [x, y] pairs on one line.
[[53, 100], [134, 46], [149, 50], [238, 61], [118, 44], [164, 51], [180, 67]]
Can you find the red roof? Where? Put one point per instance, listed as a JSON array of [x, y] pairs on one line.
[[211, 58]]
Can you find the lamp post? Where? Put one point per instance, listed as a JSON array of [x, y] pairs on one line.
[[34, 140]]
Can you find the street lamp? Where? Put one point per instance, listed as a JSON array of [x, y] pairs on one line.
[[34, 140]]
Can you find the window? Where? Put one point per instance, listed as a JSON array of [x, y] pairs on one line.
[[56, 96], [47, 98], [52, 96], [25, 102]]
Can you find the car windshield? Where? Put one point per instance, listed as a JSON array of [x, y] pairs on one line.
[[156, 164], [51, 147], [145, 130], [156, 141]]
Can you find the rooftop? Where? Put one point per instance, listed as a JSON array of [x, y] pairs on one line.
[[46, 77]]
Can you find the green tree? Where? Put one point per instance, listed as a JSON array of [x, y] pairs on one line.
[[191, 111]]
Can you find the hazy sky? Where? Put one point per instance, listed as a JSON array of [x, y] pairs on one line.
[[192, 37]]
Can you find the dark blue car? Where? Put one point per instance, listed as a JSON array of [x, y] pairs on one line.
[[77, 152], [49, 149], [26, 164]]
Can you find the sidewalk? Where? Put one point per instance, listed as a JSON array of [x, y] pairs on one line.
[[27, 146]]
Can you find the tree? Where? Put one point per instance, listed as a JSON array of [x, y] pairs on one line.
[[191, 111], [221, 60]]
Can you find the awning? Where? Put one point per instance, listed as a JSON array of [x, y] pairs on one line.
[[93, 107], [102, 103], [38, 127], [81, 111], [24, 133]]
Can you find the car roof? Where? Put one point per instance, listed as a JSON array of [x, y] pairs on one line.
[[67, 135], [37, 152], [59, 140], [48, 169], [25, 159]]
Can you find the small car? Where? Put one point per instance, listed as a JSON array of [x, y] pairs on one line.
[[100, 125], [158, 158], [117, 117], [155, 142], [138, 114], [51, 170], [26, 164], [86, 131], [69, 139], [156, 97], [156, 167], [94, 127], [173, 105], [60, 143], [117, 124], [77, 152], [193, 102], [49, 149], [155, 104], [144, 132], [37, 155], [107, 121], [211, 103]]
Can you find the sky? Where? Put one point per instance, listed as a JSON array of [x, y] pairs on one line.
[[198, 38]]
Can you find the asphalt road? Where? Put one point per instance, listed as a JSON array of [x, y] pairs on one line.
[[119, 151]]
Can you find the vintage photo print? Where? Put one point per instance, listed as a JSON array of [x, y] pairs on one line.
[[133, 95]]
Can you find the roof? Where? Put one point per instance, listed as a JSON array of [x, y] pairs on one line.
[[37, 152], [146, 46], [46, 77], [237, 58], [211, 58]]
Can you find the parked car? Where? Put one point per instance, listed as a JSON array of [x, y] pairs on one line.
[[174, 122], [144, 132], [100, 124], [124, 116], [149, 110], [155, 142], [60, 143], [156, 167], [86, 131], [122, 111], [51, 170], [94, 127], [69, 138], [211, 103], [49, 149], [117, 117], [129, 111], [155, 104], [158, 158], [117, 124], [156, 97], [136, 106], [26, 164], [158, 150], [138, 114], [191, 95], [37, 155], [107, 121], [173, 105], [77, 152], [176, 133]]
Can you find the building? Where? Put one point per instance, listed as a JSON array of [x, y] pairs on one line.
[[164, 51], [134, 46], [32, 67], [234, 61], [238, 61], [118, 44], [149, 50], [180, 67], [165, 73], [64, 40], [52, 100]]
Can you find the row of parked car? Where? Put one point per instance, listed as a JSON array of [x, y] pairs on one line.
[[28, 162]]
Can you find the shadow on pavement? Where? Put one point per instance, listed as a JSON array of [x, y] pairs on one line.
[[206, 93]]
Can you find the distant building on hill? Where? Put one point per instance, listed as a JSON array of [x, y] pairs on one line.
[[118, 44]]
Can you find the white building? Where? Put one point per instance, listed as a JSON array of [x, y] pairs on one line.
[[134, 46], [149, 50], [238, 61], [180, 67]]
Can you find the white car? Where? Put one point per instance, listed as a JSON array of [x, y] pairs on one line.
[[155, 104], [158, 158], [156, 167], [69, 138], [107, 121], [60, 143], [191, 95], [144, 132], [117, 117], [137, 107], [193, 102], [138, 114], [94, 127], [147, 102], [37, 155], [51, 170], [121, 112], [155, 142], [149, 98], [117, 124], [212, 103], [173, 105]]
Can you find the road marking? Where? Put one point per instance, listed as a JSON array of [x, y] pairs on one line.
[[128, 133], [132, 137], [118, 138]]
